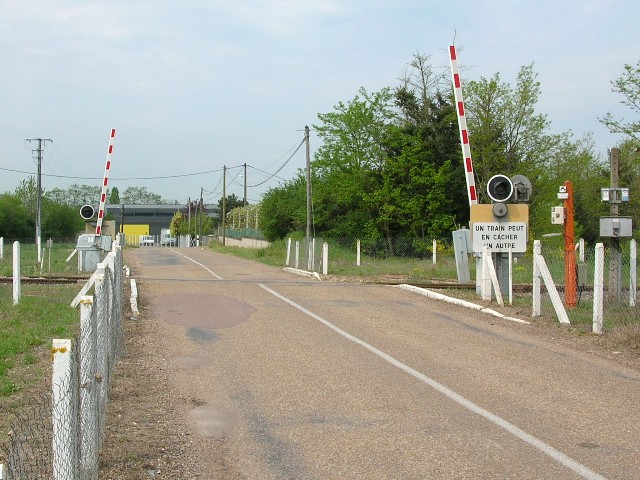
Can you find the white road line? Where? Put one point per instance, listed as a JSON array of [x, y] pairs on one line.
[[560, 457], [198, 263]]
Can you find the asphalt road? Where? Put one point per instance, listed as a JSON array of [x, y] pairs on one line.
[[302, 379]]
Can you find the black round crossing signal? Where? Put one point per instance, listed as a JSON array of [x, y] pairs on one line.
[[500, 188], [87, 212]]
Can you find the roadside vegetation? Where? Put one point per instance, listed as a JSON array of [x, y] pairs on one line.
[[42, 313]]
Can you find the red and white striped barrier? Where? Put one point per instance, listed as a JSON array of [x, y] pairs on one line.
[[464, 133], [105, 183]]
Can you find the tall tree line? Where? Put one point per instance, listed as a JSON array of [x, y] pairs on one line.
[[60, 208], [390, 163]]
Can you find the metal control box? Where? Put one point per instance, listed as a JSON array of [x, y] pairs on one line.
[[557, 215], [616, 227]]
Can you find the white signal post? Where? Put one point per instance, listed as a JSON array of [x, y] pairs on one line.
[[105, 183], [462, 124]]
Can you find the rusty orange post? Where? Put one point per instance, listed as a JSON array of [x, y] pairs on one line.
[[570, 267]]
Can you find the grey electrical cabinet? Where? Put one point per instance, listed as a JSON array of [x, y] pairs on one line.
[[616, 227], [91, 251]]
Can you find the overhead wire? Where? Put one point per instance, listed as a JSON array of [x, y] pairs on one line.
[[281, 167], [269, 176]]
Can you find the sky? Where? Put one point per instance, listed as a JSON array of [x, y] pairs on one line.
[[192, 86]]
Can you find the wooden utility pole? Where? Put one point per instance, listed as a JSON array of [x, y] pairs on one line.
[[570, 266]]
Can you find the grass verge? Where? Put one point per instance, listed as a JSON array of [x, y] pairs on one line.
[[42, 314], [53, 261]]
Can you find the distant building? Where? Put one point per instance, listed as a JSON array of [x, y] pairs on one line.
[[147, 219]]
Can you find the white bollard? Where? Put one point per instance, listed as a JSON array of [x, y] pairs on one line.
[[288, 252], [536, 307], [434, 247], [633, 277], [598, 289], [486, 276], [297, 263], [510, 276], [1, 248], [88, 393], [64, 426], [358, 253], [17, 289], [325, 258]]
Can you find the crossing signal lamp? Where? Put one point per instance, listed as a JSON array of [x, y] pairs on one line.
[[500, 189], [87, 212]]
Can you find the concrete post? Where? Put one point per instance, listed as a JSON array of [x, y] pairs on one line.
[[17, 288], [598, 289]]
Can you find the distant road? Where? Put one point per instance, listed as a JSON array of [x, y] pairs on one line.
[[301, 379]]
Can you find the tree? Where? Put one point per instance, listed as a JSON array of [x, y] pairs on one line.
[[628, 84], [576, 161], [78, 195], [178, 225], [353, 138], [15, 220], [232, 201], [27, 192], [114, 196], [61, 222], [630, 177], [507, 136], [283, 209], [140, 196]]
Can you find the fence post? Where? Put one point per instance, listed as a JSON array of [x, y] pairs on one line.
[[311, 259], [598, 289], [64, 427], [288, 251], [633, 278], [17, 290], [490, 279], [88, 391], [297, 264], [1, 257], [434, 249], [485, 282], [358, 253], [102, 333], [325, 258], [510, 275], [581, 250], [537, 250]]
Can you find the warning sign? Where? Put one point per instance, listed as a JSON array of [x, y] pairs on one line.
[[500, 236]]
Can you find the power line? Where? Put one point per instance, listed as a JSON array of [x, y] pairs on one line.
[[115, 178], [281, 167]]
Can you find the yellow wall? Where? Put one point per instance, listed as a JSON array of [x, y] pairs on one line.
[[136, 230]]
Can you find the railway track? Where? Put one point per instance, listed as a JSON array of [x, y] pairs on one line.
[[48, 280]]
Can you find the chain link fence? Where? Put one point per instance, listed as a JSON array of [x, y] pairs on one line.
[[398, 255], [427, 260], [58, 436], [619, 267]]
